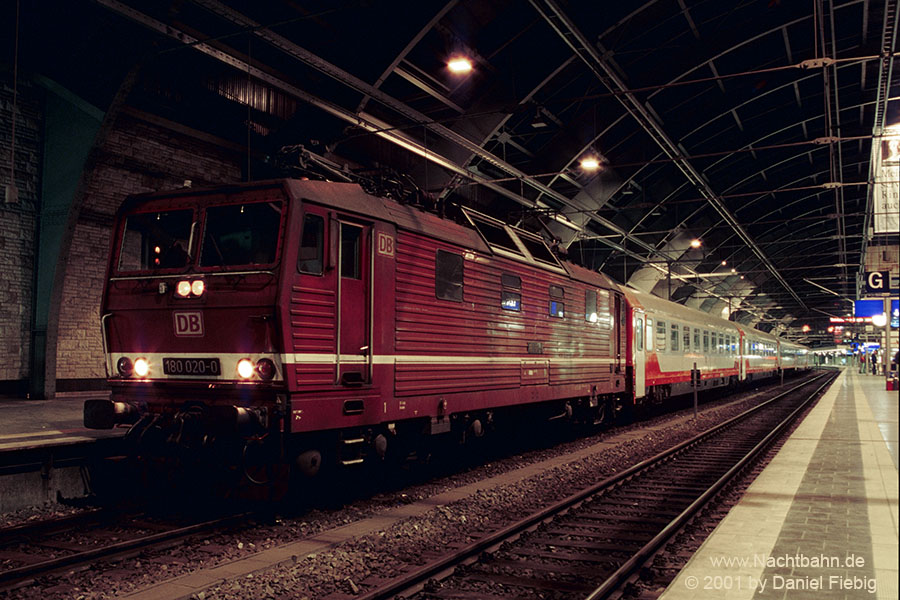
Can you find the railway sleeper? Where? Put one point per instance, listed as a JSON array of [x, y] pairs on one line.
[[521, 581]]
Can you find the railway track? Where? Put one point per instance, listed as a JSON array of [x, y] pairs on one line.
[[33, 549], [591, 543]]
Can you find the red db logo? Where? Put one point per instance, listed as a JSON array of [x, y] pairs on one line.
[[189, 324]]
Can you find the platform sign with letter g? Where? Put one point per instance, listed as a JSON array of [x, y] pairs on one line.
[[880, 282]]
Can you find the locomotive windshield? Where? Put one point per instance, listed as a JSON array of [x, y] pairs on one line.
[[241, 234], [157, 240]]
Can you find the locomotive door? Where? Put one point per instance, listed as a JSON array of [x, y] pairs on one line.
[[354, 299], [639, 354]]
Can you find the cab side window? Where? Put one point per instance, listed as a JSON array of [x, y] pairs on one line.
[[312, 245], [350, 246]]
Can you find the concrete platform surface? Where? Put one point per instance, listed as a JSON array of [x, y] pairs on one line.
[[821, 520], [33, 423]]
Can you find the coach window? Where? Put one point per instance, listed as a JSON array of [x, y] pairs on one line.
[[649, 336], [448, 276], [705, 342], [557, 306], [674, 337], [661, 336], [696, 340], [590, 306], [721, 343], [509, 299], [686, 336], [312, 245], [639, 335]]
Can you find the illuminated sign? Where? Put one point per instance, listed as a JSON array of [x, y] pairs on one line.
[[870, 308], [850, 319]]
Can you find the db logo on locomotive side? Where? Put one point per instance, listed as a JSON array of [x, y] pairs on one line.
[[188, 323], [385, 244]]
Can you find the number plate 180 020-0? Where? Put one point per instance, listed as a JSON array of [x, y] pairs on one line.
[[191, 366]]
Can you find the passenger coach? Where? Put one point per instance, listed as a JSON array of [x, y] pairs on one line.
[[669, 340]]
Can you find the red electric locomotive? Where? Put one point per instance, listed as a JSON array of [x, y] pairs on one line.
[[310, 324]]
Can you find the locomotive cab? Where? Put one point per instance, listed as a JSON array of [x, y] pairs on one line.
[[189, 319]]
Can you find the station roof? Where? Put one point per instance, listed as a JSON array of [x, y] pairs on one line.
[[749, 126]]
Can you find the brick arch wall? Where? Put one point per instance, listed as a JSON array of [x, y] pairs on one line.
[[17, 230], [138, 156]]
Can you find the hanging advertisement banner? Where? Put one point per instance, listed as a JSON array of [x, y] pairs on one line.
[[886, 193]]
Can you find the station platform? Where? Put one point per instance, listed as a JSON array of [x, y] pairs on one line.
[[821, 520], [43, 447], [34, 423]]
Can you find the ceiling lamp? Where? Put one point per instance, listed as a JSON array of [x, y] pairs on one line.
[[459, 65], [695, 243], [539, 122], [590, 163]]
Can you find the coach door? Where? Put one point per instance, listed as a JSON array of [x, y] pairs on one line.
[[354, 301], [639, 353]]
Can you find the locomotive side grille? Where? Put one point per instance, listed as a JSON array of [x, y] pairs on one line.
[[313, 325]]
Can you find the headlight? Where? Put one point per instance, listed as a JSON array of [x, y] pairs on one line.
[[141, 367], [125, 367], [245, 368], [265, 368], [187, 288]]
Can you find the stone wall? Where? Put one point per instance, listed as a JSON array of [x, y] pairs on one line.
[[138, 156], [17, 229]]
